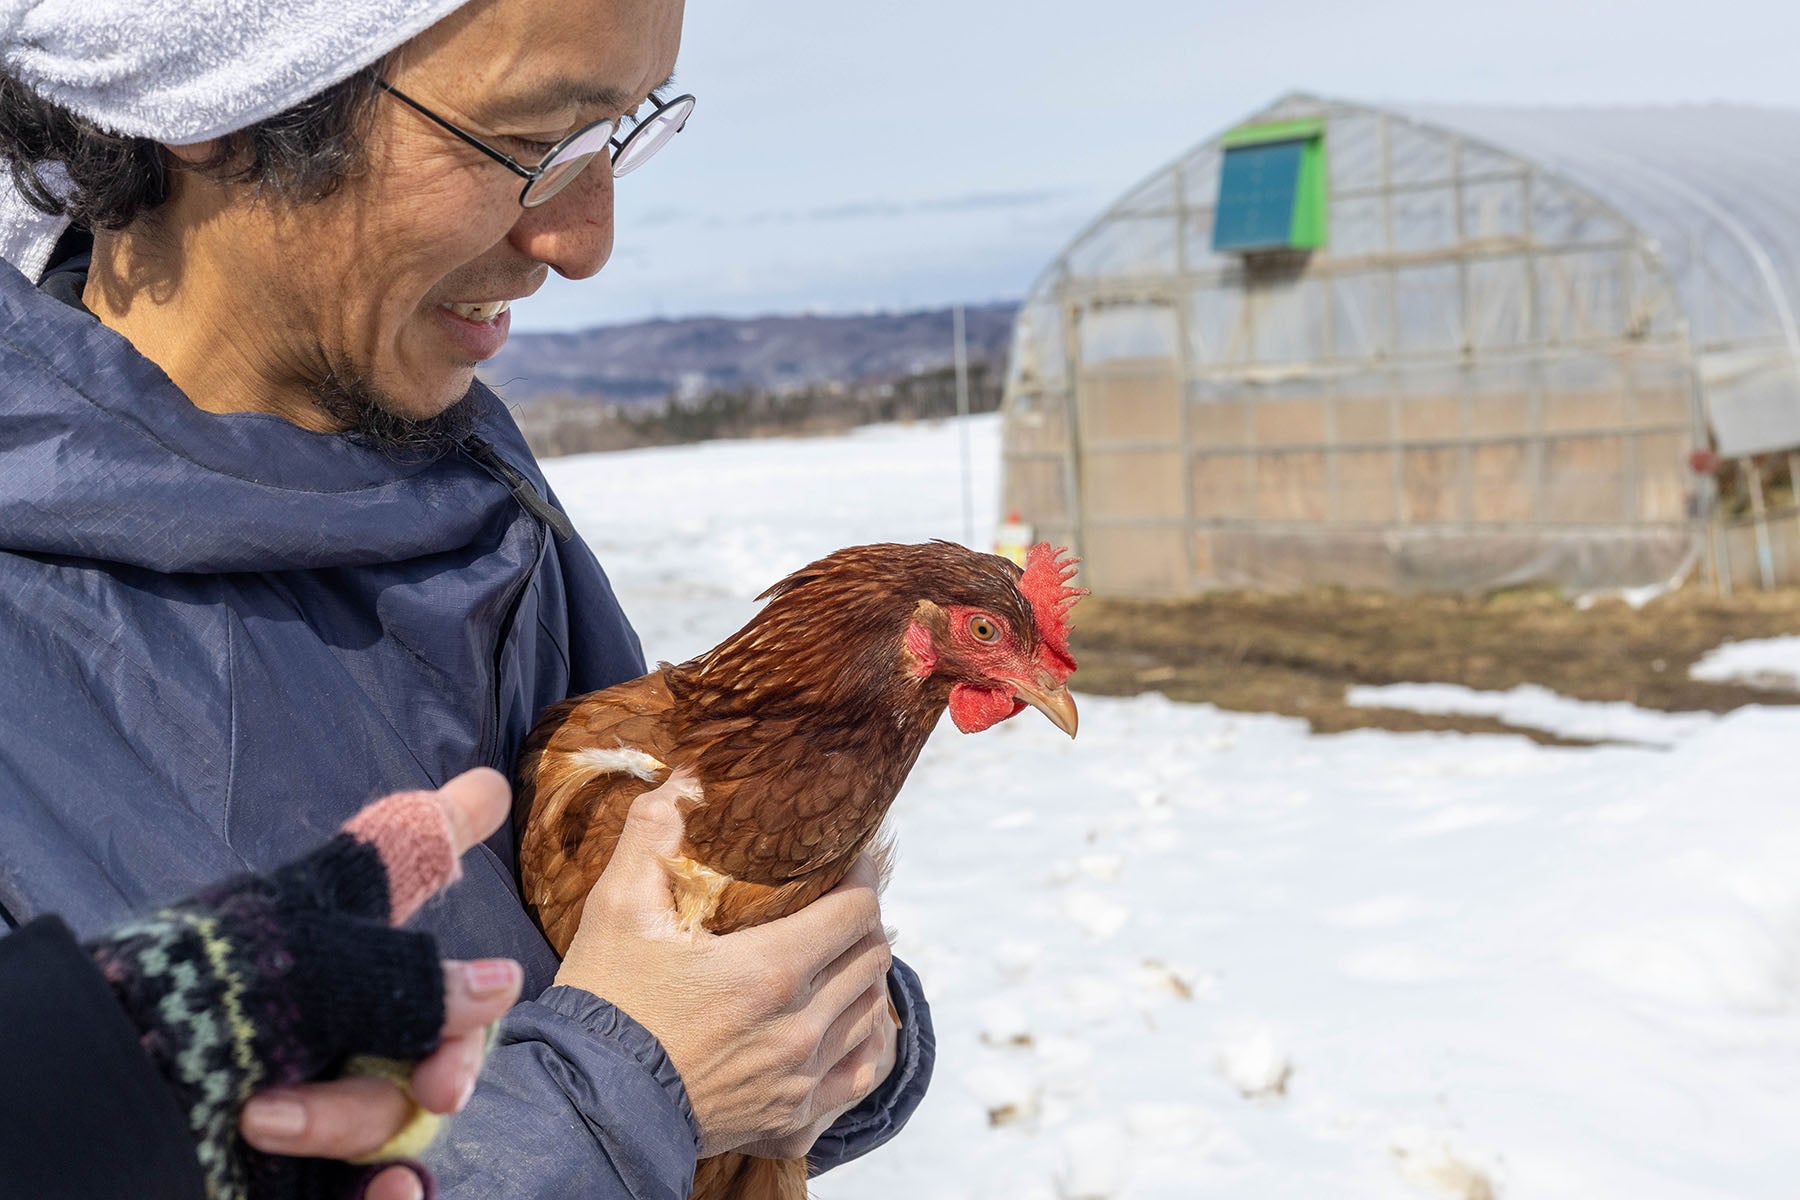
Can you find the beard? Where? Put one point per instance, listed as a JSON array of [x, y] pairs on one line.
[[368, 414]]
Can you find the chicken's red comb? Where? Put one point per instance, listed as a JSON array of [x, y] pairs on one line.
[[1046, 585]]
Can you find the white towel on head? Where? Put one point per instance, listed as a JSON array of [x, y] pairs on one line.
[[184, 71]]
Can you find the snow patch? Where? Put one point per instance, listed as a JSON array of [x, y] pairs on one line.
[[1092, 1163], [1006, 1092], [1433, 1165], [1772, 663], [1696, 963], [1094, 914], [1534, 707], [1162, 980], [1254, 1063], [1014, 959], [1004, 1023]]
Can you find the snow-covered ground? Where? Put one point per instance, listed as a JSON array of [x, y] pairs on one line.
[[1204, 954]]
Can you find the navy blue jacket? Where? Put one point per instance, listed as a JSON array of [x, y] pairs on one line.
[[220, 636]]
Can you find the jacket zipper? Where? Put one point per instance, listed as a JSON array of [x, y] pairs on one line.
[[490, 734], [483, 452], [528, 498]]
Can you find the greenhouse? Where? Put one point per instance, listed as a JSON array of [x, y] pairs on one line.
[[1413, 349]]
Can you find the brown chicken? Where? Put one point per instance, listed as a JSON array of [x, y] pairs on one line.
[[799, 729]]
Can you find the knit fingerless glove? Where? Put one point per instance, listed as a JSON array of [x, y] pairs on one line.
[[264, 982]]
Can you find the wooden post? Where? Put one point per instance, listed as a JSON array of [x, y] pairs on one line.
[[1707, 525], [1794, 493], [1765, 553], [1721, 532]]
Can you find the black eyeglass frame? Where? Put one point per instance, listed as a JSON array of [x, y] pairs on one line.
[[531, 175]]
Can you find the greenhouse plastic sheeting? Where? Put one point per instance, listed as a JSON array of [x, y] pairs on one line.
[[1493, 372], [1716, 189]]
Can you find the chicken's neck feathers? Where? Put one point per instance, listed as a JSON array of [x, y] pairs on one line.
[[843, 676]]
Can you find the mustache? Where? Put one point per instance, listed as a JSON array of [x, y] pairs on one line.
[[492, 288]]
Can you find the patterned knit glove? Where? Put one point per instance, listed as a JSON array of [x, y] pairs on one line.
[[264, 982]]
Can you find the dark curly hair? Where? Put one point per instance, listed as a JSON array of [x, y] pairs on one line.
[[299, 155]]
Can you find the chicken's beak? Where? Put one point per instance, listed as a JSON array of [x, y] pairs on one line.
[[1053, 700]]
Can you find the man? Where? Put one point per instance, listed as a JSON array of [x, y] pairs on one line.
[[267, 550]]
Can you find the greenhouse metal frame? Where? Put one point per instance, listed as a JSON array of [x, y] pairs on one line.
[[1410, 349]]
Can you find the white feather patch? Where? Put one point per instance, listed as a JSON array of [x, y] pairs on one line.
[[620, 760], [697, 889]]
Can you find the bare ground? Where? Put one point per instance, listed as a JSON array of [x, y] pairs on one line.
[[1295, 654]]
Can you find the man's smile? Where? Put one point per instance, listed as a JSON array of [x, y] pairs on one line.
[[478, 329], [477, 310]]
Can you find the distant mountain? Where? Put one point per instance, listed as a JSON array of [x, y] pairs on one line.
[[650, 361]]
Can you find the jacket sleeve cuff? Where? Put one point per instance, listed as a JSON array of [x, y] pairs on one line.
[[579, 1099], [887, 1109], [614, 1026]]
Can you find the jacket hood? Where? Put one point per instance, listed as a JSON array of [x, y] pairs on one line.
[[103, 457]]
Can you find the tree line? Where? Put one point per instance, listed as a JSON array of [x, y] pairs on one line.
[[572, 424]]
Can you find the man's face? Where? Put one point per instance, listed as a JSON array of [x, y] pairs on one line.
[[361, 290]]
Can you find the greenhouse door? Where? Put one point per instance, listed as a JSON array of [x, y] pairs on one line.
[[1130, 446]]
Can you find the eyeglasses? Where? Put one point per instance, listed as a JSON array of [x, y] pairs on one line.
[[569, 157]]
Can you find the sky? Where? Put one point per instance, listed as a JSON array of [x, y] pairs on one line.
[[856, 157]]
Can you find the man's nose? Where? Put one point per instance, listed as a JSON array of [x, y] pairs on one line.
[[572, 233]]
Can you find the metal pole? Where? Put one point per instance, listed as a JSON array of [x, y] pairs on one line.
[[962, 424]]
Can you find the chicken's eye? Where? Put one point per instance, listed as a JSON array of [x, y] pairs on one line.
[[982, 629]]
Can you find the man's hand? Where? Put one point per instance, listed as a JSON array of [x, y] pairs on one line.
[[775, 1030], [350, 1117], [875, 1054]]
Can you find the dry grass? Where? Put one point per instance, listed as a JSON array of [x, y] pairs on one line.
[[1295, 654]]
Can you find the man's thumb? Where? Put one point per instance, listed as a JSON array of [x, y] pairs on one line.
[[651, 836]]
